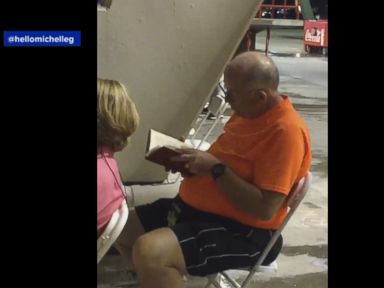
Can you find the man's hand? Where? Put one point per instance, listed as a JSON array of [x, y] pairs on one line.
[[167, 169], [197, 162]]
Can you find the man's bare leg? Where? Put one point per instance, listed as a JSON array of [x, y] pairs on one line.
[[158, 260]]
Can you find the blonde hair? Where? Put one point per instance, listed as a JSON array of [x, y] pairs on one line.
[[117, 116]]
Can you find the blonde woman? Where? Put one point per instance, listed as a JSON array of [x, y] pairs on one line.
[[117, 119]]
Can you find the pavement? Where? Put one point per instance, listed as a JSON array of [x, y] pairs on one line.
[[303, 262]]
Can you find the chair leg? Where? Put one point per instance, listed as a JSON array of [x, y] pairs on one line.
[[212, 281], [230, 281]]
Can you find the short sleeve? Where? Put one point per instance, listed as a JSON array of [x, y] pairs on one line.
[[278, 167]]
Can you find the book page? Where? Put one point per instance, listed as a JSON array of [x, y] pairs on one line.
[[158, 139], [161, 148]]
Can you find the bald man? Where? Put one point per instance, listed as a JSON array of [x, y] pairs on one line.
[[225, 214]]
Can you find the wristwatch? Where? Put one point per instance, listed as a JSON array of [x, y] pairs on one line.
[[218, 170]]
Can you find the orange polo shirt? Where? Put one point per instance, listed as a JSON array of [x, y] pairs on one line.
[[272, 151]]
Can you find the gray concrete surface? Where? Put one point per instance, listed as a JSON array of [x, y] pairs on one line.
[[303, 262], [283, 41]]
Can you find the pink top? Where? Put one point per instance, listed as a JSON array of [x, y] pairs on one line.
[[109, 188]]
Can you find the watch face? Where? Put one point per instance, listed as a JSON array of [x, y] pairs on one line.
[[218, 170]]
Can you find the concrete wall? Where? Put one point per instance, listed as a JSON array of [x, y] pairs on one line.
[[170, 55]]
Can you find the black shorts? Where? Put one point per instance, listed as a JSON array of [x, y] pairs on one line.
[[210, 243]]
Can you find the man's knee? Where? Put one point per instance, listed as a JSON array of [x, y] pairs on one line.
[[160, 248], [146, 251]]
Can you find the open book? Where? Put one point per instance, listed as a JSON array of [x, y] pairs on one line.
[[160, 149]]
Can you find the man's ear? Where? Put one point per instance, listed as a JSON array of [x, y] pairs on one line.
[[262, 95]]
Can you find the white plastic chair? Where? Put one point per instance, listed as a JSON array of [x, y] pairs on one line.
[[293, 200], [112, 231]]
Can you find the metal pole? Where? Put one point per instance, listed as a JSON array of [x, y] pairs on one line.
[[267, 41]]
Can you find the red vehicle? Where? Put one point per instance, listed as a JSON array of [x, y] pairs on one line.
[[316, 36]]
